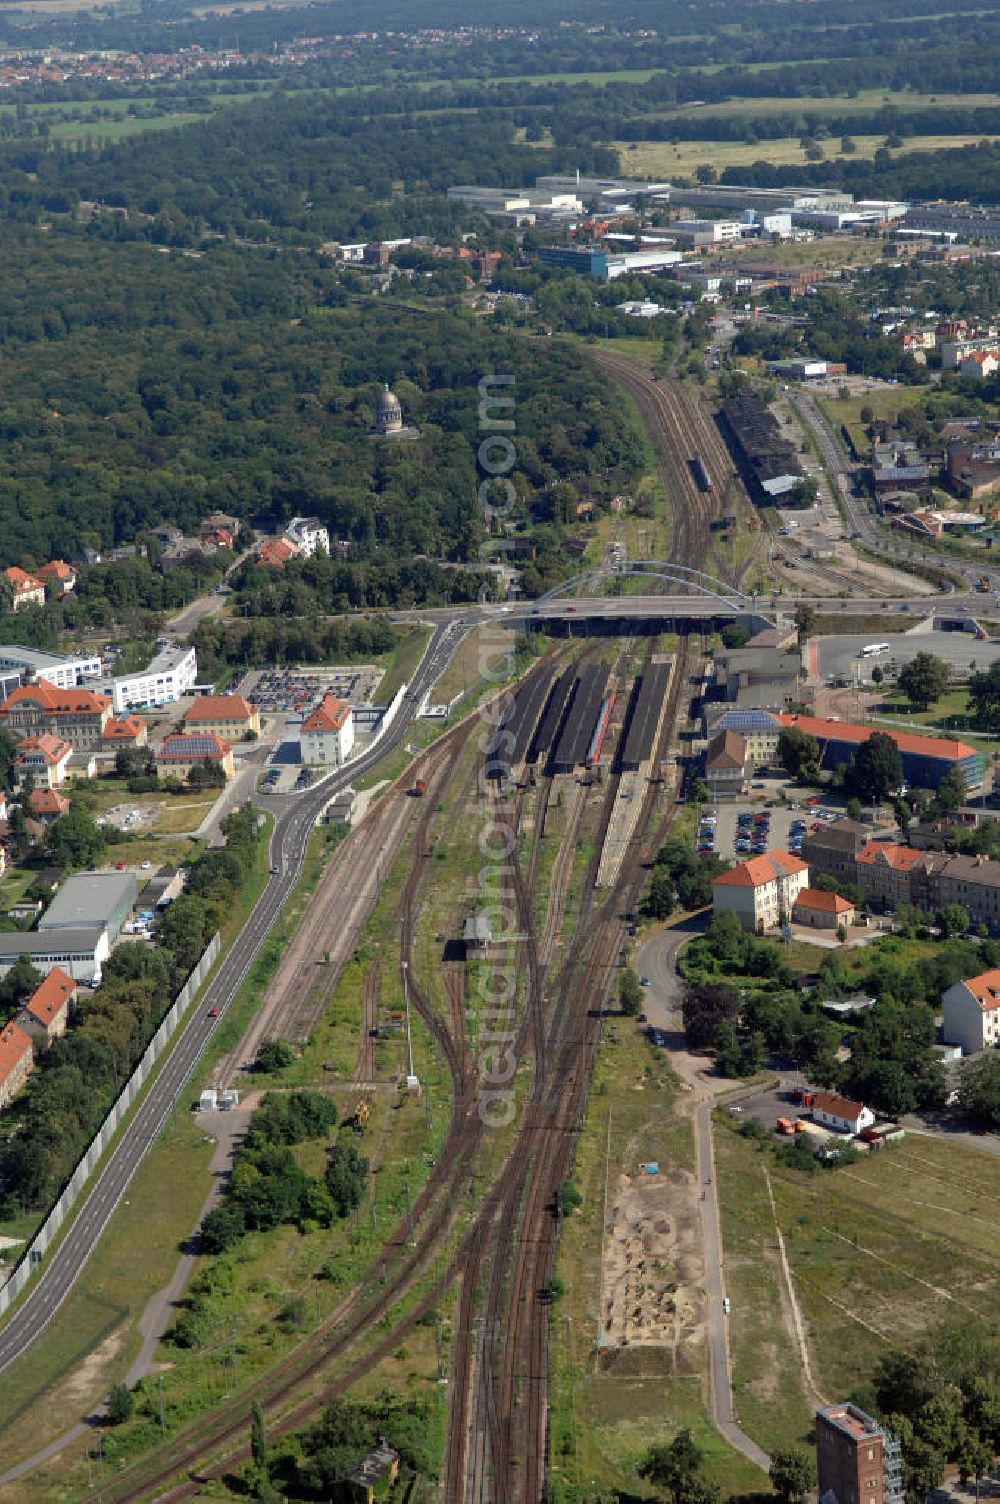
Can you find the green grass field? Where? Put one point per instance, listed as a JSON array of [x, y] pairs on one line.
[[882, 1252], [605, 1415]]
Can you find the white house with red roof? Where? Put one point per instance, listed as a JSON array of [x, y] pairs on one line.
[[971, 1013], [820, 910], [831, 1110], [327, 734], [28, 591], [46, 1013], [59, 576], [978, 364], [45, 757], [762, 891]]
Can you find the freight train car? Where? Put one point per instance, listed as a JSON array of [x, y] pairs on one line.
[[701, 474]]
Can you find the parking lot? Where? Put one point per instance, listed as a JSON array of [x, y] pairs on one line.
[[775, 819], [295, 691], [839, 657]]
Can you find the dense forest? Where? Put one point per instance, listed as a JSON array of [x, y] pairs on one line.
[[143, 387]]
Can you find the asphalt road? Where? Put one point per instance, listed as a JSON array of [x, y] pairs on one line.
[[656, 960], [294, 821], [895, 548]]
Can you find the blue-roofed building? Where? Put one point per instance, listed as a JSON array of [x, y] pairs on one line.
[[758, 728]]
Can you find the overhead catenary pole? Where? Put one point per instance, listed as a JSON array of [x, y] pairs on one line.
[[411, 1078]]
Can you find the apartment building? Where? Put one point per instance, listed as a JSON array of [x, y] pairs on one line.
[[971, 1013], [177, 755], [45, 758], [327, 734], [762, 891], [832, 850], [46, 1013], [308, 534]]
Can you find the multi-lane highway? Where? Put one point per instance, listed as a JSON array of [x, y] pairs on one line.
[[295, 820]]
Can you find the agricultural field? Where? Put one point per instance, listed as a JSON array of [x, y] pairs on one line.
[[661, 159]]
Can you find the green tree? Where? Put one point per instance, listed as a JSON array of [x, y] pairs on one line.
[[346, 1173], [568, 1197], [676, 1469], [273, 1055], [979, 1089], [952, 792], [792, 1473], [796, 749], [805, 623], [258, 1436], [120, 1405], [877, 769], [223, 1227], [629, 993], [923, 680], [952, 919], [706, 1005], [984, 695]]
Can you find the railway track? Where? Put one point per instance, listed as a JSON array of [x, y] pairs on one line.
[[676, 439], [505, 1255], [500, 1391]]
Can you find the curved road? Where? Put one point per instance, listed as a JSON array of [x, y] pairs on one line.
[[289, 840]]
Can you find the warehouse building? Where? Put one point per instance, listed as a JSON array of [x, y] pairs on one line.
[[606, 265], [80, 953], [925, 759], [92, 898]]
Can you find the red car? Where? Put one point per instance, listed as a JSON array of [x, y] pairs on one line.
[[213, 1012]]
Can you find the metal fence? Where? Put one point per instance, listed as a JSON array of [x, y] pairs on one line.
[[36, 1248]]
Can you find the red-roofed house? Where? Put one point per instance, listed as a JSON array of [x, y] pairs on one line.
[[27, 590], [46, 1012], [45, 757], [178, 754], [228, 716], [17, 1056], [328, 733], [127, 731], [971, 1012], [59, 575], [837, 1112], [822, 911], [979, 363], [761, 891], [47, 805], [276, 552]]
